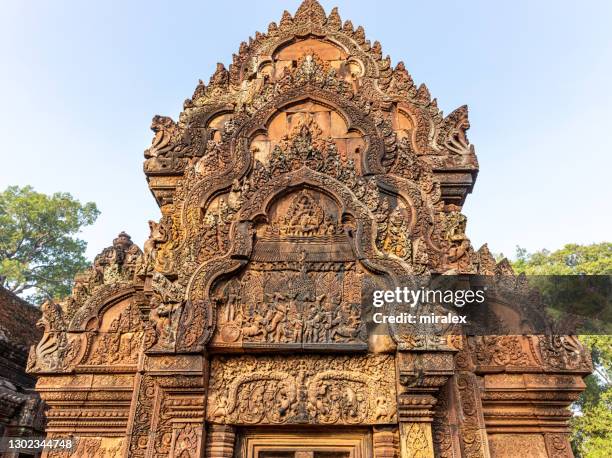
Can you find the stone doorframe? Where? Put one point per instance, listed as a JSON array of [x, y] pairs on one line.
[[226, 441]]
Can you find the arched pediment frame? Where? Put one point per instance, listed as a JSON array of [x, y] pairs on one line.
[[422, 211], [356, 117], [200, 194], [242, 157], [269, 47], [424, 128], [89, 316], [200, 317]]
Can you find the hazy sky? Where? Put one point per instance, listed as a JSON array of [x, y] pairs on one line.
[[81, 80]]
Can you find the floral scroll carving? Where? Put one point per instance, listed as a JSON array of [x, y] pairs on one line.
[[295, 390]]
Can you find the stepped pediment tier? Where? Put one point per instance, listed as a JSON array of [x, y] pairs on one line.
[[313, 55]]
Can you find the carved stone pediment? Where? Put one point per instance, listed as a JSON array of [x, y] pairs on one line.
[[304, 176], [302, 287]]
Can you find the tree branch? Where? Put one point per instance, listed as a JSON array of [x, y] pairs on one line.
[[10, 255], [20, 288]]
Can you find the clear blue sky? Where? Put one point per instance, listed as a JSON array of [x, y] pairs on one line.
[[81, 80]]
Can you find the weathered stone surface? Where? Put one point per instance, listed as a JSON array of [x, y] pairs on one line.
[[306, 171], [21, 409]]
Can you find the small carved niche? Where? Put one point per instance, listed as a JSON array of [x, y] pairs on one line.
[[216, 125], [395, 220], [324, 123], [302, 214], [402, 122], [331, 53], [211, 228]]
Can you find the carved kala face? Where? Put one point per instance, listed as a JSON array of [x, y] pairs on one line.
[[123, 240], [396, 218], [157, 123]]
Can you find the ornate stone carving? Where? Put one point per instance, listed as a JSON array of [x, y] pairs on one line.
[[167, 414], [220, 441], [166, 306], [186, 441], [558, 446], [563, 353], [295, 390], [303, 286], [159, 234], [458, 248], [121, 343], [472, 428], [91, 447], [445, 424], [385, 442], [56, 351], [416, 440], [308, 170], [118, 262], [167, 147]]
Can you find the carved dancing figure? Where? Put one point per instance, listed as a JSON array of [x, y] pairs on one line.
[[157, 235], [274, 317]]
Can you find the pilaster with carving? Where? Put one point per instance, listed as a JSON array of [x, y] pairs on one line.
[[421, 376], [167, 411], [385, 442]]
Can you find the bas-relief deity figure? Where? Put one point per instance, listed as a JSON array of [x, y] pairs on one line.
[[309, 170]]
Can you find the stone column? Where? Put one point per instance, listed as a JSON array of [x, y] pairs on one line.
[[420, 377], [220, 441], [385, 441]]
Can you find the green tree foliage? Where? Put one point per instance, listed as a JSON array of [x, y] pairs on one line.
[[592, 422], [39, 250], [572, 259], [592, 425]]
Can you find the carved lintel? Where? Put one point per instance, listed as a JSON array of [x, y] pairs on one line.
[[322, 390]]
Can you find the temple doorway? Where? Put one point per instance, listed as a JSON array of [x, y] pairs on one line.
[[261, 443]]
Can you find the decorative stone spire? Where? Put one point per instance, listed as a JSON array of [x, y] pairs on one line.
[[311, 11]]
